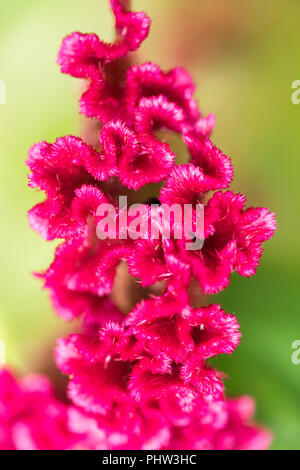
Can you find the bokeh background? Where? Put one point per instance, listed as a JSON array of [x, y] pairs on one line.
[[244, 57]]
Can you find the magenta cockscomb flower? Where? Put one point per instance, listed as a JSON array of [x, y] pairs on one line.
[[217, 425], [154, 355], [77, 178], [224, 425], [31, 417], [141, 380], [233, 242]]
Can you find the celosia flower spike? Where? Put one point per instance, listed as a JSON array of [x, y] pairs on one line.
[[141, 380]]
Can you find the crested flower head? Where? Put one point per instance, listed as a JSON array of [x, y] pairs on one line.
[[155, 345], [143, 380]]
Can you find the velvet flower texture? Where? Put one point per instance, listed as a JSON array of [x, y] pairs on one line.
[[144, 380], [32, 418], [145, 383]]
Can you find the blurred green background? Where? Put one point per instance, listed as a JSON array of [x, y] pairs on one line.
[[244, 57]]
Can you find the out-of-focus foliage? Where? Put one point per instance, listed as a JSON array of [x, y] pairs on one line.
[[244, 57]]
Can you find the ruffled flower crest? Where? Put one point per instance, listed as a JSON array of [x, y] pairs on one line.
[[144, 380]]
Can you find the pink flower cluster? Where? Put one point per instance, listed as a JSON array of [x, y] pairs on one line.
[[31, 418], [140, 381]]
